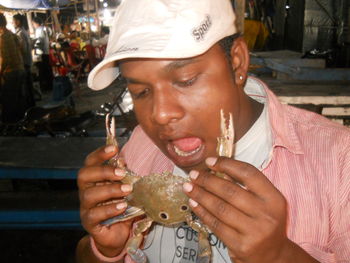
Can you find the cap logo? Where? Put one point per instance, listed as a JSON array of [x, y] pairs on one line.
[[200, 31], [124, 49]]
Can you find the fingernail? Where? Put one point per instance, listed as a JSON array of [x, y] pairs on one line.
[[119, 172], [194, 174], [192, 203], [110, 148], [121, 206], [211, 161], [187, 187], [126, 188]]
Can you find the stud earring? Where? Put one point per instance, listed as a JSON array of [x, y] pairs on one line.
[[241, 77]]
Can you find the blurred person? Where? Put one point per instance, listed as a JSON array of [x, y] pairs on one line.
[[12, 74], [104, 37], [75, 40], [41, 54], [26, 44]]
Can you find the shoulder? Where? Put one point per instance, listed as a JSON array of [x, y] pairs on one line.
[[23, 34], [316, 127], [325, 144], [326, 147]]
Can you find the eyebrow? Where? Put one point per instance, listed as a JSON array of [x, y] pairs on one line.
[[133, 81], [180, 64], [170, 67]]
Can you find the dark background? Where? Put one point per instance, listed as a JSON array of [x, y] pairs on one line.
[[45, 245]]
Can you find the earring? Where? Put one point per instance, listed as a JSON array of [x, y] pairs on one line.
[[241, 77]]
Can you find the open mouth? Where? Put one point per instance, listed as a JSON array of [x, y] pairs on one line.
[[186, 151]]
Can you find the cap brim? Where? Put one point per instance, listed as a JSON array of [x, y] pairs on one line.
[[104, 73]]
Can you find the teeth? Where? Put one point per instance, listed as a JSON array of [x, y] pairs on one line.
[[185, 154]]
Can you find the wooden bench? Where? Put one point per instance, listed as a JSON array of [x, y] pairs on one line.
[[329, 99], [42, 160], [305, 82]]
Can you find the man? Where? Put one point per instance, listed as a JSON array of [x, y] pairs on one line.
[[41, 54], [291, 203], [104, 37], [26, 45], [12, 75]]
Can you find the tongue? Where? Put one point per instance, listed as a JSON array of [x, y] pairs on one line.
[[187, 144]]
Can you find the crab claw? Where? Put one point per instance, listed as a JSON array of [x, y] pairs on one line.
[[110, 130], [226, 139], [111, 139]]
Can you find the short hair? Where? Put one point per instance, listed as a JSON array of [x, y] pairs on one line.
[[226, 44], [105, 29], [19, 18], [3, 21], [38, 20]]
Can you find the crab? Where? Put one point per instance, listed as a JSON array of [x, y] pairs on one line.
[[161, 199]]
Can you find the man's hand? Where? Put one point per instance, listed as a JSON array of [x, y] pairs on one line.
[[245, 211], [101, 193]]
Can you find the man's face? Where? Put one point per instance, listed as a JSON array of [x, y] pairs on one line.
[[178, 102]]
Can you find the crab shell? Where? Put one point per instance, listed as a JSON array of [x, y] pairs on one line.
[[161, 197]]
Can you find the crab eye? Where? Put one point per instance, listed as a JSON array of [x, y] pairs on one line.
[[184, 208], [163, 215]]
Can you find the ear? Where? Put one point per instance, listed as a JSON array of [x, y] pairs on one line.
[[240, 60]]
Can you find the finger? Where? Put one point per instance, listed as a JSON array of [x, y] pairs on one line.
[[101, 155], [94, 216], [89, 175], [96, 195], [223, 211], [246, 174], [224, 232], [231, 192]]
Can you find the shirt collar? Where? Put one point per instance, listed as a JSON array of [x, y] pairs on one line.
[[283, 132]]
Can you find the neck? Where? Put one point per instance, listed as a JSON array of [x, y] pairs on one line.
[[248, 116]]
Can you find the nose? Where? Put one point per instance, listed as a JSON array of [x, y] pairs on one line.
[[167, 107]]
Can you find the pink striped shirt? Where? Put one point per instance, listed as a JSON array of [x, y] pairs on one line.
[[310, 165]]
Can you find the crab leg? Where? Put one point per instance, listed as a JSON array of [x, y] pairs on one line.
[[134, 243], [204, 248], [130, 212]]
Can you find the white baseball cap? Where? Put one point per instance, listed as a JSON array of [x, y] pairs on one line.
[[162, 29]]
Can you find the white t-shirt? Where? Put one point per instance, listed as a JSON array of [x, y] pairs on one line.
[[179, 244], [41, 41]]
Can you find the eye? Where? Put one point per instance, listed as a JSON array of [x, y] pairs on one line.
[[139, 94], [164, 215], [184, 208], [186, 83]]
